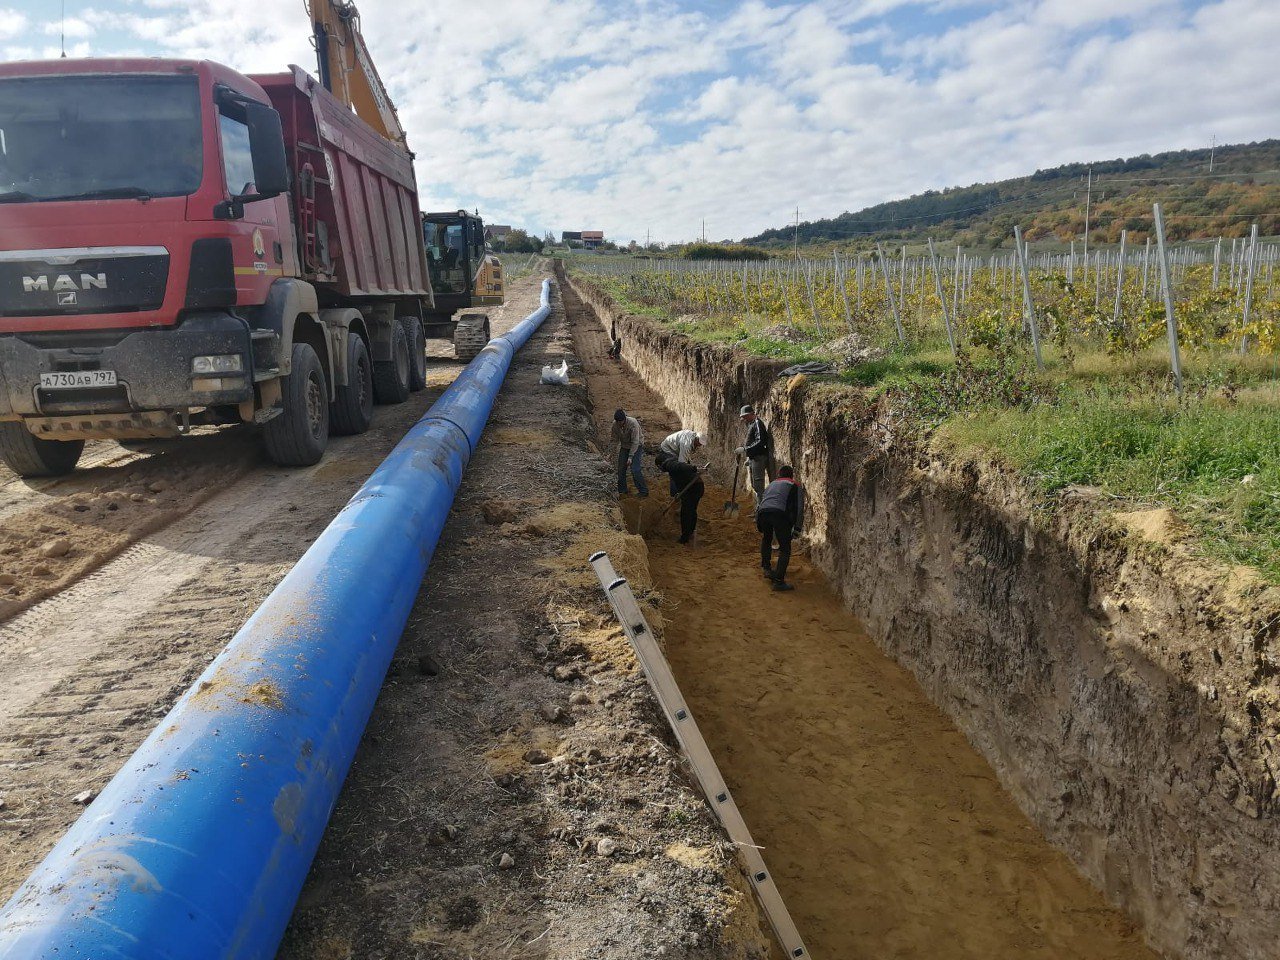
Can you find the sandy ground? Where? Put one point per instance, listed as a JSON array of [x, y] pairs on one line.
[[888, 834], [202, 531], [516, 794]]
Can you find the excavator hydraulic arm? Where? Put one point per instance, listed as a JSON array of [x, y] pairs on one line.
[[347, 70]]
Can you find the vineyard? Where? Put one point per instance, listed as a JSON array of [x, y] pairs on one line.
[[1075, 367]]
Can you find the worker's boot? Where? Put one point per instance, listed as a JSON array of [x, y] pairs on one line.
[[781, 585]]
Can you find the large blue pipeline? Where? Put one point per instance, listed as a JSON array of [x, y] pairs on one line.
[[199, 847]]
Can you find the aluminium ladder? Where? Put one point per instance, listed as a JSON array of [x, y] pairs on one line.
[[663, 682]]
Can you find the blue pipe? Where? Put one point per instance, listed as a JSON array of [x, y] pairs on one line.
[[198, 848]]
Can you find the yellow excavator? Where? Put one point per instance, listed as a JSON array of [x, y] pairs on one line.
[[464, 272]]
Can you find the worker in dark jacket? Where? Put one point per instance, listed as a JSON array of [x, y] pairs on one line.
[[688, 486], [779, 515], [757, 450]]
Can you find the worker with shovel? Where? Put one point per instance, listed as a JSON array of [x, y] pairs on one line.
[[630, 437], [687, 486], [756, 449], [779, 516]]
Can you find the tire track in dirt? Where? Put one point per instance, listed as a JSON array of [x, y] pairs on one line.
[[89, 670]]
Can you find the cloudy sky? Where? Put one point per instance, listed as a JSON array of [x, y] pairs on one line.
[[652, 115]]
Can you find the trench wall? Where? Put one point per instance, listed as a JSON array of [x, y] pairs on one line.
[[1125, 694]]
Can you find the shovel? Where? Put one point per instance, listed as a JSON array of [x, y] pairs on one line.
[[674, 501], [731, 505]]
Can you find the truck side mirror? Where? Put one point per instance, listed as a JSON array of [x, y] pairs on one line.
[[266, 146]]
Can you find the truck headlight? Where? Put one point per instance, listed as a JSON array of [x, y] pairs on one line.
[[225, 363]]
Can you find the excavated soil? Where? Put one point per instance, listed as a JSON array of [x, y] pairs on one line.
[[516, 794], [888, 834]]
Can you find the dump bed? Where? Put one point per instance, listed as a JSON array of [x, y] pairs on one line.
[[355, 195]]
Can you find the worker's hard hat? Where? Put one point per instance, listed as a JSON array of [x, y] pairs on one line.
[[746, 409]]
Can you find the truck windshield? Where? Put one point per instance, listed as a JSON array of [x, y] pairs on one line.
[[96, 137]]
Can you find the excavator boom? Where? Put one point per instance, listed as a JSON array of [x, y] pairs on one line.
[[347, 70]]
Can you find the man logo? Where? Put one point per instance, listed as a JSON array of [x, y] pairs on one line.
[[259, 245], [64, 281], [67, 299]]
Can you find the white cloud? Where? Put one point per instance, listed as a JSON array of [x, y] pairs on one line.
[[655, 114], [12, 23]]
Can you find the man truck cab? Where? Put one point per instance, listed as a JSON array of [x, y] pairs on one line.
[[464, 275]]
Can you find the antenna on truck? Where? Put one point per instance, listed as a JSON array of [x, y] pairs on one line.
[[64, 29]]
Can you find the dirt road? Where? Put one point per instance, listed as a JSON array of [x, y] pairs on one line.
[[201, 530], [888, 834]]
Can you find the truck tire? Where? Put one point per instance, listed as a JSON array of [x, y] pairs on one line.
[[29, 456], [417, 354], [299, 435], [352, 409], [391, 377], [470, 335]]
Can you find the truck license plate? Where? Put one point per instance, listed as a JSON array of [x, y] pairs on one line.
[[72, 379]]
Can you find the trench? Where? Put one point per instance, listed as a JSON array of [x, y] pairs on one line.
[[888, 834]]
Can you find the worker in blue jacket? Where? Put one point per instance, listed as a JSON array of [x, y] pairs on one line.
[[779, 516]]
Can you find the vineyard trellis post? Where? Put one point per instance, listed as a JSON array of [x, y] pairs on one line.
[[1252, 257], [942, 300], [888, 292], [844, 292], [955, 288], [1028, 305], [1171, 320], [813, 306], [1115, 316]]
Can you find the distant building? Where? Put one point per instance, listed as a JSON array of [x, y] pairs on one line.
[[571, 237], [591, 239], [497, 231]]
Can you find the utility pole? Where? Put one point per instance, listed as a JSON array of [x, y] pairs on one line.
[[646, 238], [704, 229], [796, 250], [1213, 145]]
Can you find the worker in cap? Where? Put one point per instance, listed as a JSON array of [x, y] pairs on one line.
[[758, 449], [630, 438], [680, 445], [779, 516]]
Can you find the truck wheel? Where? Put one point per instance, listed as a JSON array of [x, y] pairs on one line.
[[417, 354], [391, 377], [29, 456], [352, 410], [470, 335], [298, 436]]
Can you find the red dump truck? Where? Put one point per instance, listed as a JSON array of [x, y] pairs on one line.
[[181, 244]]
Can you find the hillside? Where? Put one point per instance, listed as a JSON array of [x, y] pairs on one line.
[[1050, 204]]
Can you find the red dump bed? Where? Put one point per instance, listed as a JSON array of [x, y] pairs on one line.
[[356, 198]]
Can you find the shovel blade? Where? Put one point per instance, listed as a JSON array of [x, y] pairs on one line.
[[731, 509]]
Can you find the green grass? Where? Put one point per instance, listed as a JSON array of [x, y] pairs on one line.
[[1214, 463]]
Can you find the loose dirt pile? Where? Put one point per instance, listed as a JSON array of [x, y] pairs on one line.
[[516, 794], [850, 350]]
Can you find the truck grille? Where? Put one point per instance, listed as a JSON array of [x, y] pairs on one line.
[[60, 285]]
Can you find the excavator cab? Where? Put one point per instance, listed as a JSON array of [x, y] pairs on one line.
[[464, 275]]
